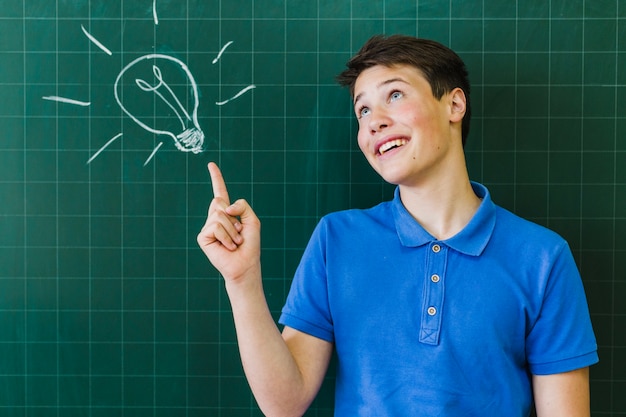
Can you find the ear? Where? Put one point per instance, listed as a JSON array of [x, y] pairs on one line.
[[458, 104]]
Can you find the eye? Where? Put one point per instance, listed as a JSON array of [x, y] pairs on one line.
[[395, 95], [363, 111]]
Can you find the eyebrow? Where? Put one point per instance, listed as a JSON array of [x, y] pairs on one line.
[[383, 83]]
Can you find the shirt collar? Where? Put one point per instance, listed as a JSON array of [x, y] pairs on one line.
[[471, 240]]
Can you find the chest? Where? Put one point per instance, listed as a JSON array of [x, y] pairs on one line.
[[430, 295]]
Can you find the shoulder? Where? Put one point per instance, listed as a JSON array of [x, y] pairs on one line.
[[519, 229], [509, 225], [532, 247], [355, 220]]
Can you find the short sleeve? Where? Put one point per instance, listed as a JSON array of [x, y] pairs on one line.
[[562, 337], [307, 307]]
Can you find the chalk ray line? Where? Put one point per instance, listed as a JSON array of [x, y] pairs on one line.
[[153, 153], [250, 87], [96, 41], [154, 13], [67, 100], [219, 54], [95, 155]]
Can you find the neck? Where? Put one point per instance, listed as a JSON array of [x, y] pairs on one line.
[[443, 208]]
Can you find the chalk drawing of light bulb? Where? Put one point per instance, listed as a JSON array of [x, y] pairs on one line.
[[153, 112]]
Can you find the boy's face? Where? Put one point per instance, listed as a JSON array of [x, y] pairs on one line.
[[404, 131]]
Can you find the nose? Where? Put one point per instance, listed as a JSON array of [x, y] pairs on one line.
[[379, 121]]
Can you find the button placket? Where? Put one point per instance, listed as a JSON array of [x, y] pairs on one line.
[[433, 294]]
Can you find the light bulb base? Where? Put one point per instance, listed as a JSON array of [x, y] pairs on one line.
[[191, 140]]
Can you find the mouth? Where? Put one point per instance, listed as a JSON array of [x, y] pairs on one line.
[[389, 145]]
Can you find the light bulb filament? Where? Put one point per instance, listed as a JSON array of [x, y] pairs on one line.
[[145, 86]]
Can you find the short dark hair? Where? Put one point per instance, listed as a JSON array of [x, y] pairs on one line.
[[441, 66]]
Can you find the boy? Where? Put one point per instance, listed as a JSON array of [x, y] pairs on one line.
[[439, 302]]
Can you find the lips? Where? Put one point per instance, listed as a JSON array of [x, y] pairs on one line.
[[388, 144]]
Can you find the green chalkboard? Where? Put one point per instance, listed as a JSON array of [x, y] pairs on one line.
[[111, 109]]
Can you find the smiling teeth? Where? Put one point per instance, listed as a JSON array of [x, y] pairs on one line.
[[391, 144]]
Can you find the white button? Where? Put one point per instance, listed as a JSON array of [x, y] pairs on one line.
[[436, 248], [432, 311], [434, 278]]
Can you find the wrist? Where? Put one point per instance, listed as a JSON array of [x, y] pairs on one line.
[[248, 282]]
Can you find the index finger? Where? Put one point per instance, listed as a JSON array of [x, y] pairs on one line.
[[217, 181]]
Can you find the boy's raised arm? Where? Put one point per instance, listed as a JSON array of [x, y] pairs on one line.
[[284, 373]]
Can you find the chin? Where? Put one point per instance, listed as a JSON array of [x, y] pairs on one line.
[[391, 179], [389, 172]]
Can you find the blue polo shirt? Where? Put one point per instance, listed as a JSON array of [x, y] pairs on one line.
[[424, 327]]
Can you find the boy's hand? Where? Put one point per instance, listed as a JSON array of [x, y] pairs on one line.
[[231, 236]]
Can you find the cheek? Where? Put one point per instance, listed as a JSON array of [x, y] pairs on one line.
[[361, 140], [429, 119], [419, 119]]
